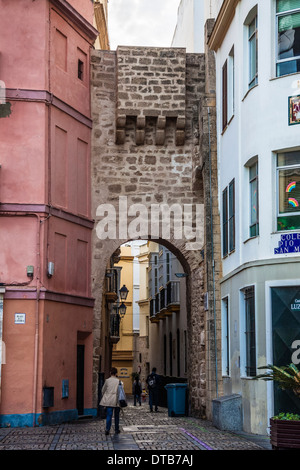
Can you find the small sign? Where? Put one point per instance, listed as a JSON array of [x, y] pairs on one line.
[[294, 110], [180, 274], [288, 243], [20, 318]]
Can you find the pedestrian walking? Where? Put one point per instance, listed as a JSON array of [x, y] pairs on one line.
[[110, 400], [137, 390], [153, 381]]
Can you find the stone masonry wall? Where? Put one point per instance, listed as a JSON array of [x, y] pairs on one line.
[[146, 150]]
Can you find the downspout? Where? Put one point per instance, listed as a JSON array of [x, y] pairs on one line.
[[2, 291], [212, 253]]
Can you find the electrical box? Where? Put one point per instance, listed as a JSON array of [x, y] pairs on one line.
[[30, 270], [50, 269]]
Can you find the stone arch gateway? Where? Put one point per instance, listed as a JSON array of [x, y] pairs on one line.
[[154, 176]]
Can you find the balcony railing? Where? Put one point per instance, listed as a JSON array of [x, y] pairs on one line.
[[173, 294], [114, 328], [166, 301]]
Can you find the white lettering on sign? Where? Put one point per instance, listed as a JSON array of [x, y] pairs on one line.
[[296, 305], [20, 318], [296, 354]]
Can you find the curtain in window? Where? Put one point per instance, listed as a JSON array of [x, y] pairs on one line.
[[287, 5]]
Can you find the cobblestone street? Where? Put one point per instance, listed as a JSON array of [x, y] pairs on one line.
[[140, 431]]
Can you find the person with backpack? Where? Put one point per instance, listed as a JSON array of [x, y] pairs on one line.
[[137, 390], [153, 381]]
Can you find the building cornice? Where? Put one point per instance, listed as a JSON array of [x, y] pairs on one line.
[[44, 96], [101, 25], [223, 21], [32, 209], [17, 293], [76, 18]]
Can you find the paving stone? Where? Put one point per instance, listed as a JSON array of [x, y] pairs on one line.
[[140, 430]]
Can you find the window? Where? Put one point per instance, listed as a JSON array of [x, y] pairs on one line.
[[228, 213], [228, 89], [80, 69], [249, 332], [252, 47], [288, 36], [168, 266], [288, 189], [253, 182]]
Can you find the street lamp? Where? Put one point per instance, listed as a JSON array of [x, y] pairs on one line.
[[123, 296], [122, 310], [123, 292]]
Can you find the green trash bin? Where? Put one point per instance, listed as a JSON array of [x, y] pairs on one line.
[[176, 399]]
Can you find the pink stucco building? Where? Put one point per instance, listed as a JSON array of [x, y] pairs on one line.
[[46, 309]]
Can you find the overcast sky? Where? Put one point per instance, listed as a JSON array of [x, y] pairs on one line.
[[141, 22]]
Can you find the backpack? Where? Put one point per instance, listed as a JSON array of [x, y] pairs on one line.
[[152, 381]]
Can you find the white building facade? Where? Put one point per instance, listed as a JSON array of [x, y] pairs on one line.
[[191, 17], [257, 47]]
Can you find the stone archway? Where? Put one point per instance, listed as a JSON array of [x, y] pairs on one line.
[[153, 176]]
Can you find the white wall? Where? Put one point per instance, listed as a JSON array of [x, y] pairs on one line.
[[192, 15], [259, 128]]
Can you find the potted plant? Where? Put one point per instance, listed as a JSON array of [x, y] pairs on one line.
[[285, 427]]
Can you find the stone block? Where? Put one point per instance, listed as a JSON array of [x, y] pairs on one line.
[[227, 413]]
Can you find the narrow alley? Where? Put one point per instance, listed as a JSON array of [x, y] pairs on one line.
[[140, 431]]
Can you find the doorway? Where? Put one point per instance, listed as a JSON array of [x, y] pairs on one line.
[[80, 379], [286, 341]]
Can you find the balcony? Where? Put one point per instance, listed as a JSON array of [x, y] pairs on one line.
[[165, 302], [114, 328], [111, 292], [173, 295]]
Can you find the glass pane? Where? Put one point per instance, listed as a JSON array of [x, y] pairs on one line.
[[285, 68], [285, 331], [231, 234], [254, 230], [231, 199], [288, 159], [291, 222], [289, 190], [288, 23], [252, 27], [253, 171], [252, 58], [287, 5], [253, 201]]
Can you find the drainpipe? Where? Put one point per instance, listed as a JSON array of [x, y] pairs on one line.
[[37, 313], [212, 251], [2, 290]]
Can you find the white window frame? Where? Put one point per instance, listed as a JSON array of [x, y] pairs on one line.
[[288, 59]]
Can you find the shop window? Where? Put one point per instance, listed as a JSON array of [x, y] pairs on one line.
[[288, 190], [288, 37]]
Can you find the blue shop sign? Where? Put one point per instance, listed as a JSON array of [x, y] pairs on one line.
[[288, 243]]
